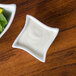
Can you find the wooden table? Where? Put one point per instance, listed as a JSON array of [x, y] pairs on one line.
[[61, 56]]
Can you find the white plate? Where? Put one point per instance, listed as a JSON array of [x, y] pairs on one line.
[[11, 8], [36, 48]]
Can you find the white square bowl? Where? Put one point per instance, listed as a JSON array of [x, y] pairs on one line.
[[31, 43], [12, 9]]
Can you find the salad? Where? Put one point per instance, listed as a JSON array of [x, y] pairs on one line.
[[3, 20]]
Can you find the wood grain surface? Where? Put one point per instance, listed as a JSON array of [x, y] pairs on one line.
[[61, 56]]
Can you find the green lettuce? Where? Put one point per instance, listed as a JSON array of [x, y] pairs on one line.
[[1, 29], [3, 22]]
